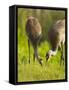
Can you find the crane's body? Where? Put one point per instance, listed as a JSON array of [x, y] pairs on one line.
[[56, 37], [34, 32]]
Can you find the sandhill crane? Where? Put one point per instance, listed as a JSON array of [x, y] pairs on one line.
[[34, 32], [56, 36]]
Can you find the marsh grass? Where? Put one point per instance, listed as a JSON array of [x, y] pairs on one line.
[[50, 70]]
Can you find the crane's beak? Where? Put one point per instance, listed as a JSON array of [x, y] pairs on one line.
[[47, 57], [41, 62]]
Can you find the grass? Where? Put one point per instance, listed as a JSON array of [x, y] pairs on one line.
[[50, 70]]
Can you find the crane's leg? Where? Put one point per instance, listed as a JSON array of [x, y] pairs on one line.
[[62, 53], [37, 56], [35, 52], [29, 49], [34, 57]]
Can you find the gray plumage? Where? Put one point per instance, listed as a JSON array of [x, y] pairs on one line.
[[34, 32], [56, 37]]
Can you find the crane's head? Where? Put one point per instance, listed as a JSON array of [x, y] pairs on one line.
[[48, 55]]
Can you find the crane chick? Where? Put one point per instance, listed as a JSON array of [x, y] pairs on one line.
[[34, 33], [56, 36]]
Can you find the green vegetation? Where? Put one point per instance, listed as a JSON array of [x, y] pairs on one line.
[[50, 70]]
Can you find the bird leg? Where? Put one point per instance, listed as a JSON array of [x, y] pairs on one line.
[[37, 56], [29, 49], [62, 53], [34, 57]]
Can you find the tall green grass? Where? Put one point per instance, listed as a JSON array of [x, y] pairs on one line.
[[50, 70]]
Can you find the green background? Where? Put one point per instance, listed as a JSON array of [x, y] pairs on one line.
[[34, 71]]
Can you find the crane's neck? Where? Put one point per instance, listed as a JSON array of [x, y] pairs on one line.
[[53, 53]]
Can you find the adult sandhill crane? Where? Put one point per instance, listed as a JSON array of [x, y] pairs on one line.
[[34, 32], [56, 36]]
